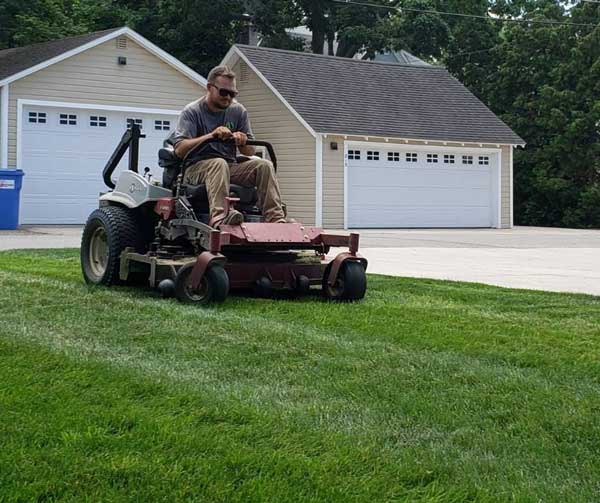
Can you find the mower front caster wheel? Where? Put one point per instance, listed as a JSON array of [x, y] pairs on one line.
[[213, 288], [350, 285]]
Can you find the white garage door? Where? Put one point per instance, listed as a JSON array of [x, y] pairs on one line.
[[403, 187], [63, 153]]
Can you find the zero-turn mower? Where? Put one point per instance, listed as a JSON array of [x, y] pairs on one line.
[[158, 232]]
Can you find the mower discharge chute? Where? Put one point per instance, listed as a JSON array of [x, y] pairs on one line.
[[159, 233]]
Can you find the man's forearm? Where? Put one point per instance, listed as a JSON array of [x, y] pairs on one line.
[[184, 146]]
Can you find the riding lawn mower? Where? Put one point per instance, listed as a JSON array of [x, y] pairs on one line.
[[158, 232]]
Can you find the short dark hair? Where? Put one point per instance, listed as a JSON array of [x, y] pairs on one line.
[[220, 71]]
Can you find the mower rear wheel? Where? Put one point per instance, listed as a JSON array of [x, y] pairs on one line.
[[213, 288], [107, 233], [350, 285]]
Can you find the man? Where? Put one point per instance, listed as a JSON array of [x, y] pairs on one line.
[[218, 115]]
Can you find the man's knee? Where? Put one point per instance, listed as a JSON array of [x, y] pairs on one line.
[[218, 166], [218, 170], [265, 167]]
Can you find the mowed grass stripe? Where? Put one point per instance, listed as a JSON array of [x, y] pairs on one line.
[[450, 396], [88, 433]]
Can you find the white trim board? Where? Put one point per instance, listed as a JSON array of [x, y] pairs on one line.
[[511, 190], [345, 185], [421, 148], [4, 91], [85, 106], [231, 59], [442, 143], [146, 44], [96, 106], [499, 219]]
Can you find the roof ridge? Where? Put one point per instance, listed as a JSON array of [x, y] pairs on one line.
[[83, 35], [341, 58]]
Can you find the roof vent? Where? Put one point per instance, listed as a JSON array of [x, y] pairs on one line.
[[122, 43], [243, 72]]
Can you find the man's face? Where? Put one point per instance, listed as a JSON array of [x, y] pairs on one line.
[[222, 86]]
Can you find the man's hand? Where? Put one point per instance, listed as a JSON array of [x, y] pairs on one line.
[[240, 138], [222, 133]]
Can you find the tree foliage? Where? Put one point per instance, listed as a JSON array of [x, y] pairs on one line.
[[547, 88]]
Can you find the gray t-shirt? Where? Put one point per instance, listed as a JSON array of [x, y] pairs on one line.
[[196, 119]]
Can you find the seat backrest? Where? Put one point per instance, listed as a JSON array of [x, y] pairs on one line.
[[170, 163]]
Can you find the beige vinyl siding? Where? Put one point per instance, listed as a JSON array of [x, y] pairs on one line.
[[94, 77], [333, 178], [333, 183], [294, 145]]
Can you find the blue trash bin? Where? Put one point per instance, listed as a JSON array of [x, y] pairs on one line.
[[10, 189]]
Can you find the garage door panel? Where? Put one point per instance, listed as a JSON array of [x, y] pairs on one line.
[[423, 196], [63, 164], [386, 193], [421, 178], [66, 210], [422, 217]]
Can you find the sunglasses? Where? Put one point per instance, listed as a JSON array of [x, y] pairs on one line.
[[225, 92]]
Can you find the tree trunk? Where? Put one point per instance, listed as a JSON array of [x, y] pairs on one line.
[[318, 26], [318, 41], [346, 49]]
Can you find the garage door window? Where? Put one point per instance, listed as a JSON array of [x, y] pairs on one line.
[[97, 121], [354, 155], [467, 159], [394, 156], [37, 117], [372, 155], [484, 160], [67, 119], [411, 157], [162, 125], [432, 158], [448, 158]]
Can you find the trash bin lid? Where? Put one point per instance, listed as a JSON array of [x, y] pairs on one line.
[[11, 173]]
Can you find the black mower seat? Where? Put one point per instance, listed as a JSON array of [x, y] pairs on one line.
[[246, 195]]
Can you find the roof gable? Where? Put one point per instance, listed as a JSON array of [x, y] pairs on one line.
[[13, 61], [19, 62], [366, 98]]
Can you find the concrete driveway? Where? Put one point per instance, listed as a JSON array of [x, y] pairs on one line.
[[562, 260], [41, 236]]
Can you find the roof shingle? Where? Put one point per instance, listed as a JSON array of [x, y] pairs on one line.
[[355, 97]]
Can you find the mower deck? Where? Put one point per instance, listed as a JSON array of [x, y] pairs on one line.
[[259, 256]]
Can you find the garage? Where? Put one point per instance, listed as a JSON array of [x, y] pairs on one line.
[[65, 104], [415, 187], [63, 152], [417, 150]]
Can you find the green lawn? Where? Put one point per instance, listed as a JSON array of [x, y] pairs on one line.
[[427, 391]]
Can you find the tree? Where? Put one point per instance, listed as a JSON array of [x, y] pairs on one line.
[[42, 20], [546, 87]]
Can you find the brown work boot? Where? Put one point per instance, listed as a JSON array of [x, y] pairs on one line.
[[234, 217]]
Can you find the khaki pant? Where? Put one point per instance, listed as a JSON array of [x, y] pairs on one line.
[[216, 174]]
